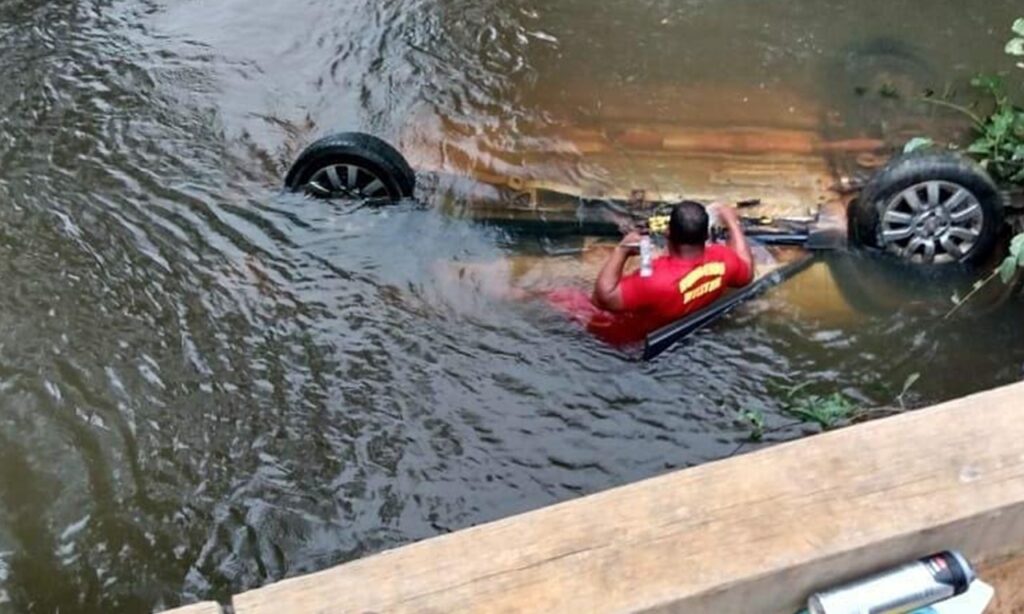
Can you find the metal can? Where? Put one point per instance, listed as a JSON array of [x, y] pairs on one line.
[[906, 588]]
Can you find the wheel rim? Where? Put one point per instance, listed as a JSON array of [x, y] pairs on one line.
[[348, 181], [932, 222]]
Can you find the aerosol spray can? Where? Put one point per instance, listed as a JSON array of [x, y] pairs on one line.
[[904, 589], [646, 255]]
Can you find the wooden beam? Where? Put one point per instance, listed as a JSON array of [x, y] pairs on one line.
[[759, 531]]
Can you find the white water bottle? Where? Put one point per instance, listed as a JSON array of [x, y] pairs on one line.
[[646, 256]]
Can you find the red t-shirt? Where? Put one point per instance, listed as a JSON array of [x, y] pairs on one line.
[[677, 287]]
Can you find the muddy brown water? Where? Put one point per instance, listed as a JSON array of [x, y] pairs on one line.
[[207, 385]]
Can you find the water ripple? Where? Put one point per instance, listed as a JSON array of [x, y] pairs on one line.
[[207, 384]]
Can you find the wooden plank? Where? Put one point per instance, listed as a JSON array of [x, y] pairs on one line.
[[203, 607], [767, 528]]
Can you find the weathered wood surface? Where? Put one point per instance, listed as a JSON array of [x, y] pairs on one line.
[[203, 607], [758, 531]]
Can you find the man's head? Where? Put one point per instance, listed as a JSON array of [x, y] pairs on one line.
[[688, 224]]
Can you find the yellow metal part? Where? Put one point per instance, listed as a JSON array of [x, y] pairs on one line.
[[658, 223]]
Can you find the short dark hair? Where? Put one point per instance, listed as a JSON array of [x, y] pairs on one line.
[[688, 224]]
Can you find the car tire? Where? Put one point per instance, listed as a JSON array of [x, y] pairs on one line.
[[352, 165], [876, 286], [874, 82], [929, 208]]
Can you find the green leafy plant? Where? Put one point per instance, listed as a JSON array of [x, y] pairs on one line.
[[1006, 271], [1013, 261], [999, 145], [918, 142], [754, 418], [825, 411], [907, 385], [1016, 45]]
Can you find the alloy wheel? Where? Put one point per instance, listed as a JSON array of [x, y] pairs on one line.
[[350, 182], [932, 222]]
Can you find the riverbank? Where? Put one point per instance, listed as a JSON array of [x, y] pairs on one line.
[[768, 527]]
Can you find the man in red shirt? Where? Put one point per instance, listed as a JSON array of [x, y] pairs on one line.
[[690, 276]]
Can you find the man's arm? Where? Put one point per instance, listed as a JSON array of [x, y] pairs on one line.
[[737, 238], [607, 289]]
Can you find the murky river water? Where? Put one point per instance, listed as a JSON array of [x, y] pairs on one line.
[[207, 385]]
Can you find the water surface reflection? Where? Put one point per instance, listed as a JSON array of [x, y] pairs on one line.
[[207, 385]]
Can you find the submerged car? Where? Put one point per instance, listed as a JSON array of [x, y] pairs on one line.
[[928, 209], [924, 207], [812, 174], [817, 162]]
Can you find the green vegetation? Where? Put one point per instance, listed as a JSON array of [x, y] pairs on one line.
[[1016, 45], [907, 385], [999, 142], [1006, 271], [754, 418], [998, 146], [826, 411]]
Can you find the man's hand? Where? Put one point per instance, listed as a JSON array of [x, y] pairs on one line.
[[724, 213], [630, 243], [729, 218], [607, 294]]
